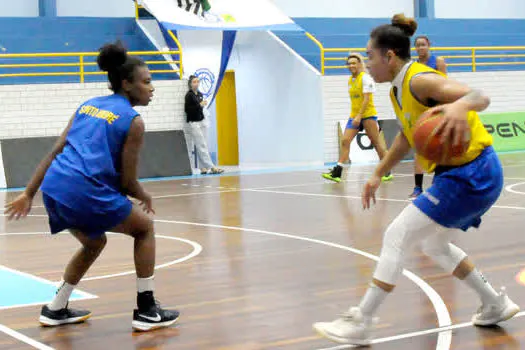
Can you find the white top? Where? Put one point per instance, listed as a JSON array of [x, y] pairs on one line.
[[397, 83], [369, 86]]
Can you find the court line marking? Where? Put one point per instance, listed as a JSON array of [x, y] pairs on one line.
[[444, 338], [306, 194], [510, 188], [23, 338], [85, 295], [197, 249], [175, 195], [416, 334], [240, 189]]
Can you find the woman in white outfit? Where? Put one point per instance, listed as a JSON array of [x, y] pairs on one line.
[[196, 127]]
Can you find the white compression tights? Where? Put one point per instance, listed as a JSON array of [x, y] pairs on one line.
[[410, 228]]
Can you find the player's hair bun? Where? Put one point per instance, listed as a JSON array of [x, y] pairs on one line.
[[112, 56], [406, 24]]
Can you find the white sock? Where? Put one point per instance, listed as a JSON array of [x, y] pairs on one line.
[[340, 164], [477, 281], [373, 298], [146, 284], [62, 296]]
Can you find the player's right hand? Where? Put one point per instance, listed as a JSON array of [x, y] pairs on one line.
[[369, 191], [19, 208], [356, 122], [147, 203]]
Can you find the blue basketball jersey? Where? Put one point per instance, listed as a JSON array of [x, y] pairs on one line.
[[432, 62], [86, 175]]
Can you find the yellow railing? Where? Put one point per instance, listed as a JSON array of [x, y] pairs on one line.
[[473, 57], [82, 61]]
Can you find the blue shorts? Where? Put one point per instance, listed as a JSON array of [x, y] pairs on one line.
[[459, 196], [360, 127], [93, 224]]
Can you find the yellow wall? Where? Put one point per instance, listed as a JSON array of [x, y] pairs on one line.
[[226, 108]]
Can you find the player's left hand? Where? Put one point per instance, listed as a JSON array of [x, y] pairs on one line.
[[369, 191], [19, 208], [454, 127]]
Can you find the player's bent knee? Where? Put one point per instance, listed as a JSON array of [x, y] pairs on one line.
[[146, 230], [432, 248], [95, 246]]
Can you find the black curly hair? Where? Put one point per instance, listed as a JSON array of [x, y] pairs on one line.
[[114, 59]]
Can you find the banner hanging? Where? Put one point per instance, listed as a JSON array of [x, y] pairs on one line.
[[206, 55], [219, 14]]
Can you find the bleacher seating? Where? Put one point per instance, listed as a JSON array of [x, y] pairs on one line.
[[41, 35], [354, 32]]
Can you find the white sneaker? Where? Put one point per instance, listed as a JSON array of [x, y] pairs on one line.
[[489, 315], [211, 17], [351, 328]]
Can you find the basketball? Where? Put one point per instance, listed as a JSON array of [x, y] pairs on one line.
[[427, 140]]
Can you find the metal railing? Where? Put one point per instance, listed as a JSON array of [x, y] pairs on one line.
[[78, 63], [473, 57]]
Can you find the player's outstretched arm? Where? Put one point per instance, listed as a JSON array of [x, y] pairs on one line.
[[395, 154], [21, 206], [40, 172]]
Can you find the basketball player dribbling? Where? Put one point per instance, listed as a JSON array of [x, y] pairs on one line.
[[462, 191], [85, 182]]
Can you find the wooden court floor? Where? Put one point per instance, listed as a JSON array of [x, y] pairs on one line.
[[252, 261]]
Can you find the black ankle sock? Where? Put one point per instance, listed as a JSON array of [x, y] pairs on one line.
[[419, 180], [145, 300]]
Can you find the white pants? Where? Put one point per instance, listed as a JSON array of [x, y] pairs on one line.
[[411, 228], [196, 135]]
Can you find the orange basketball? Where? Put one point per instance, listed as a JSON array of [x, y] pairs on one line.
[[427, 140]]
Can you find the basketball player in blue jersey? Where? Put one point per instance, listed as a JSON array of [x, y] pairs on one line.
[[85, 182], [422, 44]]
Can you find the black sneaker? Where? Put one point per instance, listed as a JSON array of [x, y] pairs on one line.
[[335, 174], [150, 315], [50, 318], [154, 318]]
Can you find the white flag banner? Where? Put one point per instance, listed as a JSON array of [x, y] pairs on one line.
[[204, 51], [223, 15]]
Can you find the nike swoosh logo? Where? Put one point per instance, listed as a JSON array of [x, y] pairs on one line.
[[154, 319]]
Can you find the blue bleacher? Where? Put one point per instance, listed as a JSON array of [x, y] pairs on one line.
[[354, 32], [34, 35]]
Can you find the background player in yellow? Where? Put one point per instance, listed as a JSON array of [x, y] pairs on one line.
[[363, 116]]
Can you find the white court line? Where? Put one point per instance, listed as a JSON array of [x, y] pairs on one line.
[[305, 194], [415, 334], [193, 194], [24, 339], [444, 338], [247, 189], [326, 195], [197, 249], [510, 188]]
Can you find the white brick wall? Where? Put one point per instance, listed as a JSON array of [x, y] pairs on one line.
[[44, 109], [506, 89]]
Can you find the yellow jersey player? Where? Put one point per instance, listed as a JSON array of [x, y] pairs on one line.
[[363, 116], [462, 191]]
